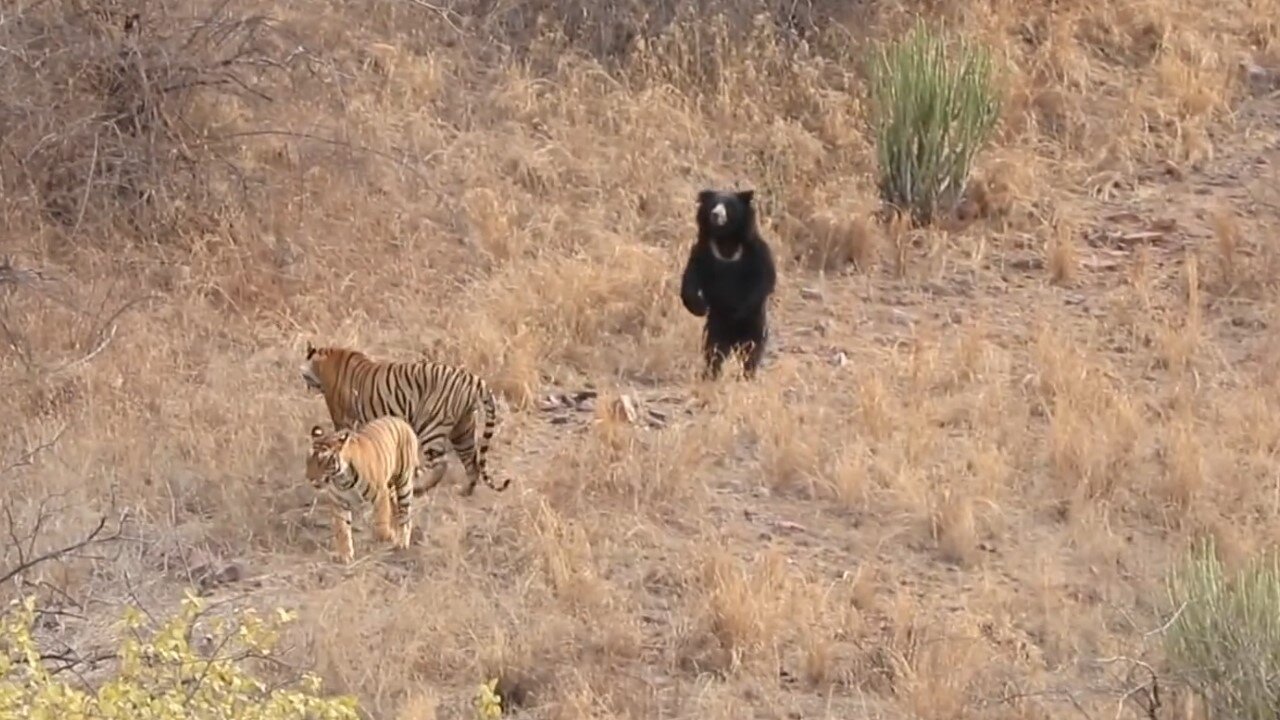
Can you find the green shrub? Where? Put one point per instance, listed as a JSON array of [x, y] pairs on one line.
[[161, 677], [1225, 637], [933, 107]]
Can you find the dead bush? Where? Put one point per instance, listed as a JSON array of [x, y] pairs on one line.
[[125, 122]]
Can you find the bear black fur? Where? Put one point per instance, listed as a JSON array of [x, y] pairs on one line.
[[728, 279]]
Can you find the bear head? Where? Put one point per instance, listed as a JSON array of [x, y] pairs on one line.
[[726, 218]]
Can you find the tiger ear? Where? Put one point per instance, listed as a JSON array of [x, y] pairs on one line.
[[316, 431]]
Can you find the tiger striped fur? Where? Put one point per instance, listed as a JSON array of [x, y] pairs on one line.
[[375, 462], [440, 402]]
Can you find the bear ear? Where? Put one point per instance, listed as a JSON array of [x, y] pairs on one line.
[[706, 196], [746, 196]]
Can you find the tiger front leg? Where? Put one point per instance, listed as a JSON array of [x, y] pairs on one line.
[[343, 546], [402, 489], [382, 503]]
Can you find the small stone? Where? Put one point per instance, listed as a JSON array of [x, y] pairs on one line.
[[1258, 77], [233, 572], [623, 408], [810, 293]]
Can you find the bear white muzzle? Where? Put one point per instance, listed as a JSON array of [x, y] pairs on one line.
[[719, 215]]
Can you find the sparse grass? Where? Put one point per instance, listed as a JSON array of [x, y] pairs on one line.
[[1224, 635], [970, 460], [935, 107]]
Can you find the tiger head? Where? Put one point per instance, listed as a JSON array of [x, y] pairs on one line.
[[326, 460], [327, 372], [323, 364], [311, 368]]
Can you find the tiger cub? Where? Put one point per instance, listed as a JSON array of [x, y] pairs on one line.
[[375, 462]]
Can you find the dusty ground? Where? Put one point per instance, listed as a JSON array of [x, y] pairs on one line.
[[955, 491]]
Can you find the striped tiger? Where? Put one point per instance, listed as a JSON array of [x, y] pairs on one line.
[[375, 462], [440, 402]]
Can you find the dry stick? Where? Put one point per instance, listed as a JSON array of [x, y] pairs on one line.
[[443, 12], [97, 340], [88, 188], [91, 539], [1153, 702], [104, 336], [338, 143], [29, 456]]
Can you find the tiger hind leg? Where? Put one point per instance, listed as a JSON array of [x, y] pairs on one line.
[[435, 463], [463, 439]]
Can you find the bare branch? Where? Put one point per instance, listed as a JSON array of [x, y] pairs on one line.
[[12, 275], [94, 537], [444, 13], [29, 456], [96, 340], [398, 161], [1174, 618]]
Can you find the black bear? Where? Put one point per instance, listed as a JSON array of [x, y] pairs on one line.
[[728, 278]]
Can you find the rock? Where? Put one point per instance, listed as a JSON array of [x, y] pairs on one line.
[[840, 359], [810, 293], [787, 526], [1258, 78], [212, 575], [899, 317], [624, 407]]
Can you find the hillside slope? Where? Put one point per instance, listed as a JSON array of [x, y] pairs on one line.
[[955, 490]]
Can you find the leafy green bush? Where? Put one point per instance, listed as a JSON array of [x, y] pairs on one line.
[[161, 677], [1225, 637], [934, 106]]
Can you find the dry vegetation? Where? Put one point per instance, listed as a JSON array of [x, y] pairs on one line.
[[955, 491]]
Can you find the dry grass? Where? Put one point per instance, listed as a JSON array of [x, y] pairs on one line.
[[974, 452]]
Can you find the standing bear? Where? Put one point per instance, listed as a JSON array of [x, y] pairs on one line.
[[728, 278]]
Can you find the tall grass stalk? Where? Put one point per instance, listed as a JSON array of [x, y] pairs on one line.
[[1225, 638], [934, 106]]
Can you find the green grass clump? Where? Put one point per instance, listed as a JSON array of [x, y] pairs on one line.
[[1225, 637], [934, 106], [158, 675]]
